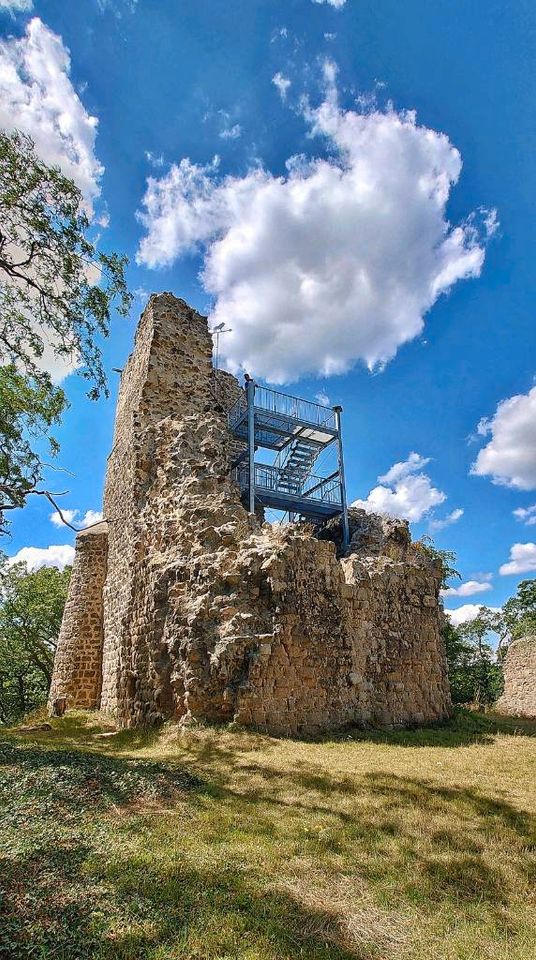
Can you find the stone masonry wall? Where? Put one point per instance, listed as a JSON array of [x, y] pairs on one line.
[[265, 626], [519, 697], [78, 662], [168, 374], [211, 614]]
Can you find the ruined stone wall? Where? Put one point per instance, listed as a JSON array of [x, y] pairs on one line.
[[289, 640], [78, 662], [209, 613], [168, 374], [235, 620], [519, 697]]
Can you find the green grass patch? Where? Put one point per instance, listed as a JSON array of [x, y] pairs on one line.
[[220, 845]]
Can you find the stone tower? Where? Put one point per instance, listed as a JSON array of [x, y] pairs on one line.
[[78, 662], [207, 612]]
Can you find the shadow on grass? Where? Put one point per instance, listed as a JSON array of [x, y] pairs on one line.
[[441, 833], [421, 841], [466, 727], [75, 780], [67, 903], [67, 899], [70, 890]]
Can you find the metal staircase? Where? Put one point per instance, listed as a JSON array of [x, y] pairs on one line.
[[295, 463], [299, 431]]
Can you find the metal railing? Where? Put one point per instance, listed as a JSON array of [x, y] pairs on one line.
[[294, 407], [281, 404], [326, 490], [237, 411]]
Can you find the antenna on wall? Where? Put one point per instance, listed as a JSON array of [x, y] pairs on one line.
[[217, 332]]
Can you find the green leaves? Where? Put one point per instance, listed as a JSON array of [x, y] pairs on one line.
[[31, 609], [475, 671], [54, 282], [28, 409], [519, 613], [447, 558], [56, 291], [475, 675]]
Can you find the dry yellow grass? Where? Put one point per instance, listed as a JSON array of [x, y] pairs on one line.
[[213, 844]]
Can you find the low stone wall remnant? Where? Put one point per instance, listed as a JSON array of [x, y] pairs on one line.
[[519, 697]]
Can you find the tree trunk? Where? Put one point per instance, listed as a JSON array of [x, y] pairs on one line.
[[22, 697]]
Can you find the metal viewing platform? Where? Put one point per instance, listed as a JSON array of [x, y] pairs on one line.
[[299, 431]]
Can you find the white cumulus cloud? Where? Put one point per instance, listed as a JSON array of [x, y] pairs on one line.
[[403, 468], [73, 516], [436, 525], [90, 517], [338, 4], [16, 6], [467, 612], [38, 98], [467, 589], [522, 559], [526, 515], [510, 456], [339, 260], [57, 555], [403, 492], [69, 516]]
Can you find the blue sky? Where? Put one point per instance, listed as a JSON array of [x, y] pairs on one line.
[[172, 84]]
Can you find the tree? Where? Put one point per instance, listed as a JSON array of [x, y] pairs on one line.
[[27, 410], [56, 295], [447, 558], [485, 671], [475, 670], [518, 617], [31, 609], [475, 675], [460, 661]]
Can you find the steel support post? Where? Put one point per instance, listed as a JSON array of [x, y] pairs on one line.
[[250, 393], [345, 525]]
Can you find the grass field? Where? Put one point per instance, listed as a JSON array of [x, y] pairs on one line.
[[218, 845]]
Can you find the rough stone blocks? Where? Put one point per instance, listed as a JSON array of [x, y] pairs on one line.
[[519, 697], [199, 610]]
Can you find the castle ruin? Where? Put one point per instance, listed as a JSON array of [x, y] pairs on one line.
[[519, 696], [185, 605]]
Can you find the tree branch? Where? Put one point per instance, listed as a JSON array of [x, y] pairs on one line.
[[50, 498]]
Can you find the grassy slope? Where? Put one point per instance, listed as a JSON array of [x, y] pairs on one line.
[[223, 845]]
